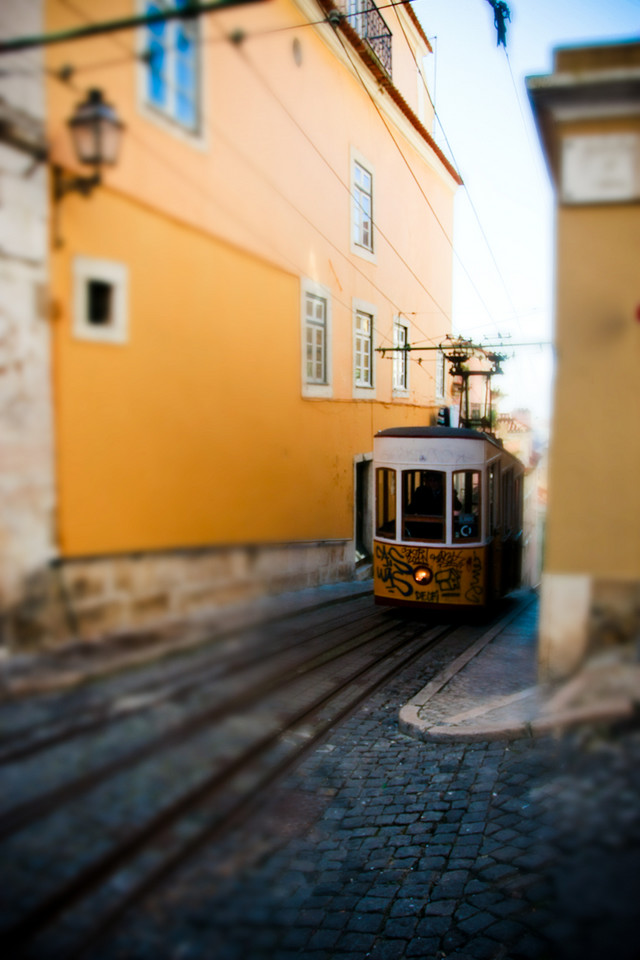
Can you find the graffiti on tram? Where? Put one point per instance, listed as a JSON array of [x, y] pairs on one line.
[[445, 576]]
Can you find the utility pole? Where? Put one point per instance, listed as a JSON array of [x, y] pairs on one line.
[[458, 351]]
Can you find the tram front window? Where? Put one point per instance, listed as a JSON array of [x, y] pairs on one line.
[[423, 505], [466, 505]]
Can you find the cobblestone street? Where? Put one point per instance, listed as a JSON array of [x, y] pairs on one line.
[[383, 842], [384, 846]]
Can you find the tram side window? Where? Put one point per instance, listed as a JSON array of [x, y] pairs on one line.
[[507, 500], [386, 503], [423, 505], [517, 504], [494, 485], [466, 505]]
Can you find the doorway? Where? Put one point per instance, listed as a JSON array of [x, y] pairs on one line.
[[363, 488]]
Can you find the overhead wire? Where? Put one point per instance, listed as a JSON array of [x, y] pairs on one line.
[[131, 55], [394, 3], [343, 183], [515, 317], [411, 171], [534, 155], [74, 8], [458, 167], [134, 55]]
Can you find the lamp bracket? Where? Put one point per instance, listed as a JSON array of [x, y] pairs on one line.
[[83, 185]]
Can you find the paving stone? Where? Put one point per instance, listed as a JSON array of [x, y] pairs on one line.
[[477, 923], [440, 907], [365, 923], [371, 905], [388, 950], [358, 943], [433, 926], [422, 947], [400, 928], [497, 835]]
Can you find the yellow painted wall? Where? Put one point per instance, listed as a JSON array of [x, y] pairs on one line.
[[271, 170], [195, 431], [594, 523], [589, 584]]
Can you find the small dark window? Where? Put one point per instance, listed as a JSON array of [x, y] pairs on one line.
[[99, 303]]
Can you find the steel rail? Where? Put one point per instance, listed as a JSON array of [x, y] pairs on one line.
[[60, 901], [247, 804], [27, 745], [24, 814]]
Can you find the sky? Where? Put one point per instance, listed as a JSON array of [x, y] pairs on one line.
[[504, 214]]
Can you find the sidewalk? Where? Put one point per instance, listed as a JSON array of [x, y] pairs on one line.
[[491, 691]]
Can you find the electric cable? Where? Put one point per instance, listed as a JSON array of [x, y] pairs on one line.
[[386, 296], [411, 171]]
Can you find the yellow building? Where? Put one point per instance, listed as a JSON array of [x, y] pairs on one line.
[[588, 113], [279, 211]]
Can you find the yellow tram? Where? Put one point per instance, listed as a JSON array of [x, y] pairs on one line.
[[448, 517]]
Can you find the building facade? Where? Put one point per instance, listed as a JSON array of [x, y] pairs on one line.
[[278, 213], [588, 114]]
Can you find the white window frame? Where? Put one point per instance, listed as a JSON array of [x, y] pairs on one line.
[[196, 135], [400, 360], [365, 391], [314, 289], [366, 252], [86, 269]]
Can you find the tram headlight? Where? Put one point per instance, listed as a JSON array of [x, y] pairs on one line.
[[423, 575]]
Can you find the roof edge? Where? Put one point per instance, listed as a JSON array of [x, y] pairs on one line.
[[407, 4], [384, 81]]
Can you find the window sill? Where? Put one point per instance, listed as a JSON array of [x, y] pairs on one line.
[[364, 393], [317, 390], [364, 253]]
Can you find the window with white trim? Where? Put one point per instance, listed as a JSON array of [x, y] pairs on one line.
[[100, 293], [363, 349], [315, 307], [362, 207], [400, 357], [172, 83], [315, 325]]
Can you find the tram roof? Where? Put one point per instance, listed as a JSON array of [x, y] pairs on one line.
[[432, 433], [443, 433]]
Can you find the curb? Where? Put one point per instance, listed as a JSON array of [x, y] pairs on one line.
[[411, 722]]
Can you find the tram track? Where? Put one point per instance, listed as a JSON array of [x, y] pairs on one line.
[[21, 816], [262, 755], [68, 917], [21, 743]]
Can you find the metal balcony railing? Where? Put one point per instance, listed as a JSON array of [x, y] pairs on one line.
[[369, 24]]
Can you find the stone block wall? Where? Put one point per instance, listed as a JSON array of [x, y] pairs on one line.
[[93, 598], [27, 497]]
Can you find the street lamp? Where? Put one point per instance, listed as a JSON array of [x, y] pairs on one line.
[[96, 131]]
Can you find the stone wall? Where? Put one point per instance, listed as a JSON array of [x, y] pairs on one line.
[[27, 496], [91, 599]]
